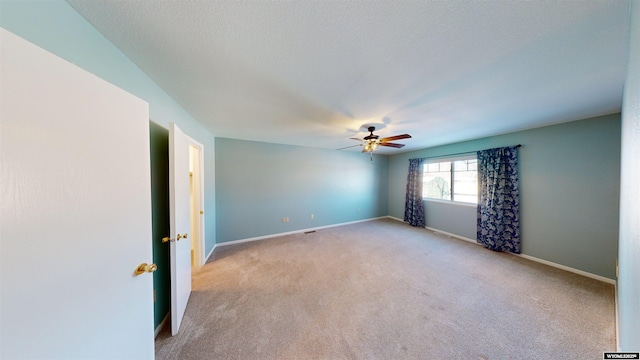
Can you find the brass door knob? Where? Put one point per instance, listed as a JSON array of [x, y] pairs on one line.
[[144, 267]]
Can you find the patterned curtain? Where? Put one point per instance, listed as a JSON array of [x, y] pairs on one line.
[[413, 207], [499, 199]]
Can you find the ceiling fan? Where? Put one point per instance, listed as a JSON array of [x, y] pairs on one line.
[[372, 142]]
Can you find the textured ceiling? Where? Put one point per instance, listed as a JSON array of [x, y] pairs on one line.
[[313, 72]]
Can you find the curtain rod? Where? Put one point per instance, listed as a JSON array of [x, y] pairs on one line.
[[463, 153]]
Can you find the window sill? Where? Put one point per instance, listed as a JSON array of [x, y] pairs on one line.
[[449, 202]]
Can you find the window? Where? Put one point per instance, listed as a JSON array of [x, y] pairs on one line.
[[453, 180]]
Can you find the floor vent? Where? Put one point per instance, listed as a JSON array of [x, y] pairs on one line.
[[309, 232]]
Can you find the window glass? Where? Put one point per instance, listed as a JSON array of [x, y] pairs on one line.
[[453, 180], [436, 181], [465, 181]]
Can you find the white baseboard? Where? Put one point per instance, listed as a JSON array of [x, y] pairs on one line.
[[532, 258], [528, 257], [566, 268], [233, 242], [210, 253], [451, 235], [162, 324]]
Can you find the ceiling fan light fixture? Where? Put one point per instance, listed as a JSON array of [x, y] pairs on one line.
[[371, 145], [373, 142]]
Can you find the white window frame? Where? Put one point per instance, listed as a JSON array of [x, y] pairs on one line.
[[452, 179]]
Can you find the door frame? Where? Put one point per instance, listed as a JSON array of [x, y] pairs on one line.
[[165, 293], [198, 176]]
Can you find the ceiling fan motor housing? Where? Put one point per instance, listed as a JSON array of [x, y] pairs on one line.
[[372, 142], [371, 136]]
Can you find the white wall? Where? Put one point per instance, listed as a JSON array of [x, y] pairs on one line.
[[629, 247]]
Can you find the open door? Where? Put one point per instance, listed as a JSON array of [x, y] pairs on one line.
[[196, 158], [180, 223], [75, 212]]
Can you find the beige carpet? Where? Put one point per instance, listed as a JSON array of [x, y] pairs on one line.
[[385, 290]]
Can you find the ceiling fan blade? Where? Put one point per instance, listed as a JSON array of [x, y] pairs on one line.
[[356, 139], [392, 145], [346, 147], [397, 137]]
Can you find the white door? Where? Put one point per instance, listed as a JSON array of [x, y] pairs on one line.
[[180, 224], [196, 158], [75, 212]]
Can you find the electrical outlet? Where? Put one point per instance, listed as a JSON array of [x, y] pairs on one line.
[[312, 216], [358, 211]]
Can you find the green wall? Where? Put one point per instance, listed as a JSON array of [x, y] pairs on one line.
[[569, 178], [159, 144], [260, 183]]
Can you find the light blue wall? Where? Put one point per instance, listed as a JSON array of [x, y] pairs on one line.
[[260, 183], [569, 178], [452, 218], [629, 281], [58, 28], [570, 172]]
